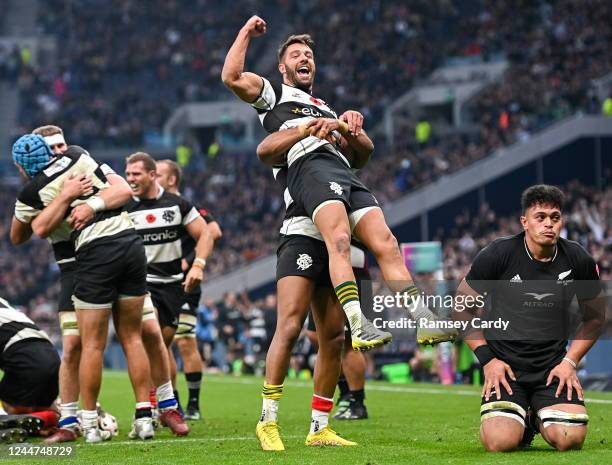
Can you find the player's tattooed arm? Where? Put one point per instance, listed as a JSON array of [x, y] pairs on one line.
[[53, 214], [247, 86]]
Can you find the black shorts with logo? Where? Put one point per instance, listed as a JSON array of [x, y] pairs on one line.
[[530, 390], [168, 299], [31, 373], [109, 268], [303, 256], [322, 176]]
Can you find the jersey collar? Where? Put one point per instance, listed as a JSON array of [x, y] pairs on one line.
[[536, 260]]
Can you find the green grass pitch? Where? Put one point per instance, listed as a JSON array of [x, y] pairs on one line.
[[412, 424]]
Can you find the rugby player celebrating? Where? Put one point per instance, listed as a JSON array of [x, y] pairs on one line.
[[320, 176], [530, 376]]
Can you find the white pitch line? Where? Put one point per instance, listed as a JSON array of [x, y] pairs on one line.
[[371, 387], [175, 440]]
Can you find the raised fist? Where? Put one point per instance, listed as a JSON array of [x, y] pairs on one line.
[[255, 26]]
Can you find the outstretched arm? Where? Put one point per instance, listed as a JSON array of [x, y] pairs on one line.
[[247, 86]]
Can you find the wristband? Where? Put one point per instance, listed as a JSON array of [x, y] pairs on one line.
[[96, 204], [484, 354], [303, 130], [571, 362], [199, 262]]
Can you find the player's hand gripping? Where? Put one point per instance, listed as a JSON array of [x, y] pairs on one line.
[[76, 185], [81, 216], [193, 279], [354, 119], [323, 127], [255, 26], [495, 375], [567, 376]]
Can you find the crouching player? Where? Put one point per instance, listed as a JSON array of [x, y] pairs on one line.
[[530, 381], [31, 372]]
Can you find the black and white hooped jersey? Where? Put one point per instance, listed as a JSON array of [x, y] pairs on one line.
[[46, 186], [161, 224], [283, 107], [16, 326]]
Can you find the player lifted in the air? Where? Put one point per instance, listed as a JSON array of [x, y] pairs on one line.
[[319, 175], [530, 381]]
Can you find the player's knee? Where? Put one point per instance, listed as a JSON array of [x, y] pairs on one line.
[[289, 331], [332, 341], [500, 442], [565, 438], [384, 244], [342, 242], [71, 354]]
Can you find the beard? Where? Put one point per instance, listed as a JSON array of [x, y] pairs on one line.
[[293, 77]]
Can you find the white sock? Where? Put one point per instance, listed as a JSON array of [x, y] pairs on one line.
[[269, 410], [89, 419], [318, 420], [68, 414], [352, 310], [165, 397]]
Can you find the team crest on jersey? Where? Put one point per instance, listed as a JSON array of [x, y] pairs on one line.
[[168, 216], [304, 261], [335, 188]]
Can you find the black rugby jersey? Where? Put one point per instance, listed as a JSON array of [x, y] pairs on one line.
[[533, 296], [16, 326], [161, 224], [46, 185], [283, 107]]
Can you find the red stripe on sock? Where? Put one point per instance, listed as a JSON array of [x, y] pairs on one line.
[[321, 404]]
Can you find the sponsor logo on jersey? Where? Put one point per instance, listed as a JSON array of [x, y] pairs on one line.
[[304, 261], [539, 298], [306, 111], [335, 188], [516, 279], [168, 216], [160, 236]]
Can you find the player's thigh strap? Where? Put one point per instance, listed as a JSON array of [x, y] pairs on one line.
[[559, 417], [356, 216], [82, 305], [501, 408], [68, 324], [148, 309], [186, 326], [323, 204]]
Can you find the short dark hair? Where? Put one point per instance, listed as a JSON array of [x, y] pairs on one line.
[[542, 194], [147, 160], [295, 39]]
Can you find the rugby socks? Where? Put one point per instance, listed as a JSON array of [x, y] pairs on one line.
[[165, 397], [417, 309], [68, 415], [348, 295], [271, 394], [89, 419], [321, 406], [358, 396], [194, 381], [143, 410], [343, 387], [153, 397]]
